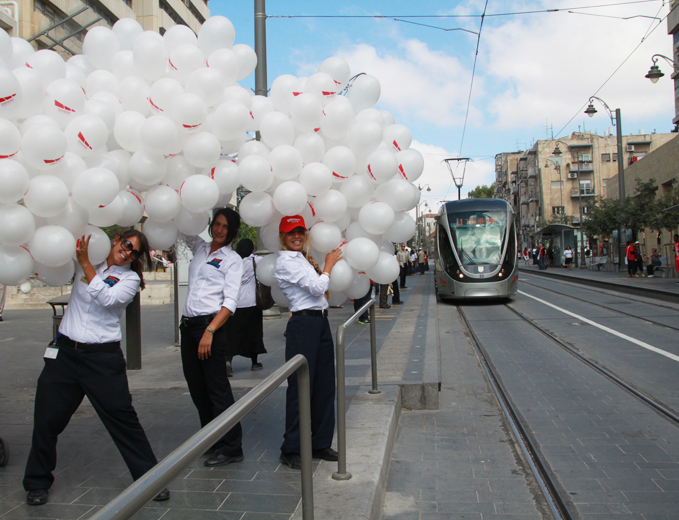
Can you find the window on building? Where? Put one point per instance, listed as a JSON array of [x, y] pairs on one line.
[[604, 182], [557, 185], [558, 210], [585, 157], [585, 210], [605, 157], [585, 186], [615, 157]]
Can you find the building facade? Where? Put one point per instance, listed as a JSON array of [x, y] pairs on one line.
[[31, 17]]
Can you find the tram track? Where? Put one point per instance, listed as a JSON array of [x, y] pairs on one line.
[[589, 302], [558, 501]]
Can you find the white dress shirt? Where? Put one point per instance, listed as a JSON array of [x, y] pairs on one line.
[[93, 312], [300, 283], [248, 287], [214, 278]]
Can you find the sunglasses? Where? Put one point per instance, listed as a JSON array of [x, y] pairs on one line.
[[127, 246]]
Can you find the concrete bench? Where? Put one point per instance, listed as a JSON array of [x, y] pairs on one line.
[[599, 262]]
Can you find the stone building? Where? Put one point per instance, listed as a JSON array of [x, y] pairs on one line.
[[32, 17]]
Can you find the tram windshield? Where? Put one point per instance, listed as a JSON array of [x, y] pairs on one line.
[[478, 236]]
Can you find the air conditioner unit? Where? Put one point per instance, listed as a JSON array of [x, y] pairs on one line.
[[572, 175], [630, 148]]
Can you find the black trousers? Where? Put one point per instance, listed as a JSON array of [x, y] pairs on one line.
[[404, 274], [208, 385], [397, 292], [311, 337], [360, 302], [63, 383]]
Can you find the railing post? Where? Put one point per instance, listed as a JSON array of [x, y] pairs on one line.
[[133, 333], [373, 350], [304, 393], [341, 473]]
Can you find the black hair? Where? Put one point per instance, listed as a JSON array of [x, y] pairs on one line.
[[232, 219], [245, 248], [144, 258]]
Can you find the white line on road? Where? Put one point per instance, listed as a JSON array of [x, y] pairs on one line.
[[607, 329]]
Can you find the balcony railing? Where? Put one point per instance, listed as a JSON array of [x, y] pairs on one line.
[[585, 192]]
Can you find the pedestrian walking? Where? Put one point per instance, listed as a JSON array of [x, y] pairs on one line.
[[309, 334], [86, 360], [403, 259], [215, 275], [245, 327], [630, 260], [413, 262], [542, 257], [396, 291], [526, 256], [420, 261], [568, 257]]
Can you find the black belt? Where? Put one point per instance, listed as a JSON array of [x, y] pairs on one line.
[[113, 346], [311, 312], [198, 321]]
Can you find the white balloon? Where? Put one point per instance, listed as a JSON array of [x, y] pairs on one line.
[[43, 146], [217, 32], [357, 190], [230, 120], [364, 137], [122, 65], [10, 93], [122, 159], [47, 195], [355, 230], [73, 218], [331, 206], [17, 225], [364, 92], [86, 135], [103, 111], [162, 203], [410, 164], [254, 173], [362, 253], [189, 112], [397, 137], [208, 84], [21, 50], [338, 118], [191, 223], [161, 235], [341, 276], [185, 59], [108, 215], [311, 146], [276, 129], [323, 87], [395, 192], [54, 276], [159, 135], [100, 244], [381, 165], [359, 286], [16, 264], [279, 297], [202, 149], [265, 270], [338, 70], [386, 270], [325, 237], [127, 130], [127, 30], [246, 58], [257, 209], [225, 174], [253, 148], [134, 94], [150, 58], [133, 207], [283, 91], [261, 106], [376, 217], [226, 62], [147, 167], [286, 162], [95, 187], [270, 236], [199, 193], [49, 64], [32, 92], [178, 170], [316, 179], [64, 99], [100, 45], [52, 246], [371, 114], [341, 161], [102, 81], [337, 298], [388, 117], [290, 198], [163, 94], [14, 181], [402, 230], [306, 112], [179, 35]]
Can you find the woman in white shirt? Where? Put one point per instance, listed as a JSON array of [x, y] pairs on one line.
[[568, 257], [87, 361], [246, 330], [309, 334], [215, 274]]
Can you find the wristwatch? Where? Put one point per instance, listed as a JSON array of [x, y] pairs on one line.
[[210, 330]]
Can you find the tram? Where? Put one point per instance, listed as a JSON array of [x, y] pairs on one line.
[[476, 250]]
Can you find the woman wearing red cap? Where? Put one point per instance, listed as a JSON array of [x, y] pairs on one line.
[[309, 334]]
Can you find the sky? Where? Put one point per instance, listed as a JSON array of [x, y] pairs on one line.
[[531, 79]]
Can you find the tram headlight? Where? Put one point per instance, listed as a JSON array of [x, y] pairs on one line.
[[459, 274]]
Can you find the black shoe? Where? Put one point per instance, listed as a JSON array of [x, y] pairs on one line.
[[325, 454], [37, 497], [256, 366], [1, 318], [162, 496], [291, 460], [229, 369], [385, 306], [218, 459], [397, 302]]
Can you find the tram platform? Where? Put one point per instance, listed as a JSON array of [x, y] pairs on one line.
[[90, 471], [658, 287]]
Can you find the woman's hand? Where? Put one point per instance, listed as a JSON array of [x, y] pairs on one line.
[[205, 346], [331, 259], [81, 250]]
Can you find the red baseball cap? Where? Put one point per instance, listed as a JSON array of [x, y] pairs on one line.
[[289, 223]]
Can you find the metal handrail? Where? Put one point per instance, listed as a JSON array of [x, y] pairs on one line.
[[341, 473], [148, 486]]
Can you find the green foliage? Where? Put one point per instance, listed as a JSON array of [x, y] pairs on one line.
[[245, 231], [482, 192], [113, 231]]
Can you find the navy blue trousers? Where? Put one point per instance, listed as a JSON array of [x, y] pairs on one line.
[[311, 337], [208, 385], [63, 383]]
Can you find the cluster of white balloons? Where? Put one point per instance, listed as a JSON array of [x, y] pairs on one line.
[[143, 124]]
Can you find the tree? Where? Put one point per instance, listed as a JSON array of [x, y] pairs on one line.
[[245, 231], [482, 192]]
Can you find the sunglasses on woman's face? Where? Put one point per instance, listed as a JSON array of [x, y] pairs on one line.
[[127, 246]]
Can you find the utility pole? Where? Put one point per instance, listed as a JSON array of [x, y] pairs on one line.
[[261, 87]]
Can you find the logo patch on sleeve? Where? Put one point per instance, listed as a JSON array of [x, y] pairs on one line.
[[215, 262], [111, 280]]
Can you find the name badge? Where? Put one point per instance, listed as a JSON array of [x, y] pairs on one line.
[[51, 353]]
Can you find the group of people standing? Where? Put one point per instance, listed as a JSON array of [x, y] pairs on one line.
[[220, 319]]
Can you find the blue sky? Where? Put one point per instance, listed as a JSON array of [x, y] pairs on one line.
[[534, 73]]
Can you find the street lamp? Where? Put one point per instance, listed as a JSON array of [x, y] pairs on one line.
[[616, 120], [418, 220], [654, 73], [458, 178]]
